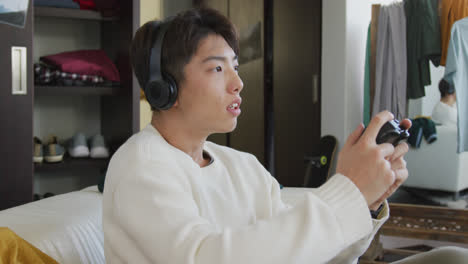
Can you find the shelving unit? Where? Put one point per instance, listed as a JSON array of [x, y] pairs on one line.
[[115, 101], [70, 13], [115, 114], [75, 90], [64, 110], [69, 163]]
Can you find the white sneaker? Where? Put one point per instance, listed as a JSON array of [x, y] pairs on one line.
[[78, 147], [98, 148]]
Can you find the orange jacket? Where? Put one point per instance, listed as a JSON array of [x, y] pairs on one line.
[[452, 10]]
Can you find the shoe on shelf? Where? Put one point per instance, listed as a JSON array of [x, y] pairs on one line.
[[98, 147], [36, 197], [48, 194], [38, 154], [53, 152], [78, 148]]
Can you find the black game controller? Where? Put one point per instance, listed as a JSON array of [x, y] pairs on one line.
[[391, 132]]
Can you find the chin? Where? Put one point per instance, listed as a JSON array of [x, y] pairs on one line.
[[228, 128]]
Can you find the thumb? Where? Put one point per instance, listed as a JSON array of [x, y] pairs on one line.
[[354, 137]]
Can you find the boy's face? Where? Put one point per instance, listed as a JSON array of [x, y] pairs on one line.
[[209, 97]]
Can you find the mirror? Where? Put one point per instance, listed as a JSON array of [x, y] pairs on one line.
[[437, 174], [13, 12]]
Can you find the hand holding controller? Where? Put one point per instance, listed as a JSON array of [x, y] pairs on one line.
[[376, 169], [392, 132]]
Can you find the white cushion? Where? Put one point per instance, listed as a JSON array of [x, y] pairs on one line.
[[438, 166], [66, 227]]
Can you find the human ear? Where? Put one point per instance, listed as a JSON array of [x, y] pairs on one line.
[[176, 103]]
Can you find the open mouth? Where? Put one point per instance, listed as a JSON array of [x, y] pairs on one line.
[[234, 106]]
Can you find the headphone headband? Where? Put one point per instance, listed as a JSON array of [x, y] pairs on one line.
[[156, 52], [160, 89]]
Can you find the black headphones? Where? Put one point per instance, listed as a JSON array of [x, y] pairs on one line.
[[161, 88]]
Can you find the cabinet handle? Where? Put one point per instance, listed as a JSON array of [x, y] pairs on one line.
[[19, 77], [315, 89]]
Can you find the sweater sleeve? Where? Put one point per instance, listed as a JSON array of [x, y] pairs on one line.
[[353, 252], [159, 214]]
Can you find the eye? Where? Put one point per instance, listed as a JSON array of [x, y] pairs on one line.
[[219, 69], [236, 67]]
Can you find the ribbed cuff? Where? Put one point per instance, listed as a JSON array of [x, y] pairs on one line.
[[340, 193]]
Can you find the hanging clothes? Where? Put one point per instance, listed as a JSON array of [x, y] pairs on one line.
[[390, 72], [452, 10], [423, 43], [456, 73]]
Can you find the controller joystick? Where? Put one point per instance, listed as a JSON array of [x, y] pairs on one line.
[[391, 132]]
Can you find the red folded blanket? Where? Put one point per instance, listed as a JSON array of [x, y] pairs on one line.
[[86, 4], [85, 62]]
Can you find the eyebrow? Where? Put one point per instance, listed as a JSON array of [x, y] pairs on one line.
[[218, 58]]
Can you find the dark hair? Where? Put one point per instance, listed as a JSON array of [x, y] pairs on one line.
[[445, 88], [181, 41]]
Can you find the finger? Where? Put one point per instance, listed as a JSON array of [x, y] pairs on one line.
[[400, 176], [376, 123], [379, 201], [398, 164], [386, 149], [354, 136], [400, 150], [387, 194], [405, 124], [376, 205]]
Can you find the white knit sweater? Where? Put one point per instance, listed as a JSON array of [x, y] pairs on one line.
[[445, 114], [161, 207]]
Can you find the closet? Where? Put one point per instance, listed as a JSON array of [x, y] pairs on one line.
[[63, 110]]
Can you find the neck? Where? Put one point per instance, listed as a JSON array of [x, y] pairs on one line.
[[450, 100], [176, 133]]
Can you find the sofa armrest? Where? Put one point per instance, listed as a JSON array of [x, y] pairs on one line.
[[437, 166]]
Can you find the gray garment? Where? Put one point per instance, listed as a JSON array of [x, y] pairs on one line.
[[391, 66], [445, 255]]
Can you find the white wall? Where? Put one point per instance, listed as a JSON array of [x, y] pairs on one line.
[[423, 106], [334, 88], [344, 34]]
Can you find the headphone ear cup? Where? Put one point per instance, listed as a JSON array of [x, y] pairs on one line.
[[172, 88], [157, 94], [162, 94]]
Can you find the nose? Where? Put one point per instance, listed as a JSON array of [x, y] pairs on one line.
[[236, 84]]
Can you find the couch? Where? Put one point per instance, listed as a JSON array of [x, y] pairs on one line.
[[438, 166], [68, 227]]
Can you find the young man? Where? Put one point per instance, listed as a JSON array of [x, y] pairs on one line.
[[172, 197], [445, 111]]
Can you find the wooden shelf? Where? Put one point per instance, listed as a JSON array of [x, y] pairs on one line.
[[427, 223], [69, 163], [70, 13], [75, 90]]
